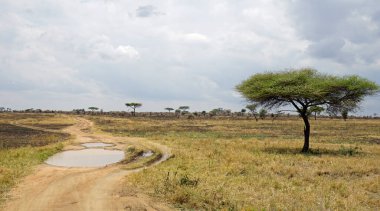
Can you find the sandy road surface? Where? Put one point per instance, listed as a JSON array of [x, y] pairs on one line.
[[59, 188]]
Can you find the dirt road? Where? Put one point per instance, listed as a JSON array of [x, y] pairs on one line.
[[59, 188]]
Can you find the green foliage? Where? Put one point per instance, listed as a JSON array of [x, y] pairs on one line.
[[349, 151], [316, 110], [184, 108], [18, 162], [252, 108], [306, 86], [93, 108], [169, 109], [263, 113], [133, 105]]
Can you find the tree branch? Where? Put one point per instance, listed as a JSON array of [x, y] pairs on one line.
[[295, 105]]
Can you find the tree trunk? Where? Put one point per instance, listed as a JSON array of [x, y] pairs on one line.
[[306, 133], [256, 117]]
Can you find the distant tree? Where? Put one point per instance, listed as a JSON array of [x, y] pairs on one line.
[[332, 112], [218, 111], [344, 113], [184, 109], [79, 111], [92, 108], [214, 111], [263, 113], [273, 116], [133, 106], [316, 110], [169, 109], [204, 113], [177, 113], [2, 109], [305, 88], [252, 108], [243, 110]]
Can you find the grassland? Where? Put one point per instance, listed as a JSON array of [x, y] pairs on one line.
[[23, 148], [243, 164]]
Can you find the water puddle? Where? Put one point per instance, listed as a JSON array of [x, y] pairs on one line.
[[86, 158], [147, 154], [96, 144]]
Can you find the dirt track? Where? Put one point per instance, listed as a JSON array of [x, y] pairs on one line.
[[59, 188]]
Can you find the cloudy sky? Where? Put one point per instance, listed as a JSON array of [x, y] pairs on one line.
[[75, 54]]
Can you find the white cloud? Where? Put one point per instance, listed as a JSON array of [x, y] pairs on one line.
[[193, 52], [196, 37], [101, 47], [128, 51]]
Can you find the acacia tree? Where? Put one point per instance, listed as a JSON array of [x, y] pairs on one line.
[[184, 109], [169, 109], [92, 108], [133, 106], [305, 88], [316, 110], [252, 108], [263, 113]]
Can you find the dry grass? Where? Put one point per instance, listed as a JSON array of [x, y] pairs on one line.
[[15, 136], [230, 164], [23, 148], [47, 121]]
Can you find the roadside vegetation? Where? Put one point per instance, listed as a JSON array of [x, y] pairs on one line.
[[140, 156], [22, 148], [244, 164]]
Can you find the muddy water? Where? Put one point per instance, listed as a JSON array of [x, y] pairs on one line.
[[96, 144], [86, 158]]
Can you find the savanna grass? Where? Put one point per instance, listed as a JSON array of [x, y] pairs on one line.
[[46, 121], [18, 162], [22, 148], [243, 164]]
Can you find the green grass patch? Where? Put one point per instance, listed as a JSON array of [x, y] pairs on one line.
[[19, 162]]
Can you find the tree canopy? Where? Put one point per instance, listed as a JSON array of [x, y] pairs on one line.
[[133, 106], [184, 108], [305, 88], [92, 108], [169, 109]]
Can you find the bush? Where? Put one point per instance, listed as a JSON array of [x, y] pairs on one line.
[[349, 151]]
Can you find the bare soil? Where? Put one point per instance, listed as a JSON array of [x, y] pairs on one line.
[[59, 188]]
